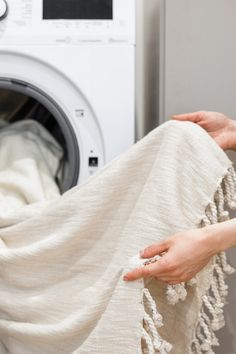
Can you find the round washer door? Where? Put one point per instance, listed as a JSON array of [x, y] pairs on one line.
[[65, 102], [72, 150]]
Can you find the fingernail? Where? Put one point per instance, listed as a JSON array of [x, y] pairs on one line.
[[141, 253], [125, 278]]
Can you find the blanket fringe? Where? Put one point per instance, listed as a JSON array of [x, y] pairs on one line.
[[211, 315], [175, 293], [152, 320]]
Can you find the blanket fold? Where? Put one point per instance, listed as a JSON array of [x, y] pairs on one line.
[[62, 261], [29, 163]]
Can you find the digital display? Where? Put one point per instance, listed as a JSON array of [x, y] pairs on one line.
[[77, 9]]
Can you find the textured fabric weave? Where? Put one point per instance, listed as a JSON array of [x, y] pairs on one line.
[[62, 261]]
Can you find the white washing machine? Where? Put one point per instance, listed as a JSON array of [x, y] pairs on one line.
[[75, 61]]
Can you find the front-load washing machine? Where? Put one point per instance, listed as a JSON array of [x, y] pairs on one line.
[[71, 66]]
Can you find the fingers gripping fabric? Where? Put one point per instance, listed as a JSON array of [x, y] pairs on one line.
[[62, 262]]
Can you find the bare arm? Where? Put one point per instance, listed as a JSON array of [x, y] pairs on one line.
[[186, 253], [223, 234]]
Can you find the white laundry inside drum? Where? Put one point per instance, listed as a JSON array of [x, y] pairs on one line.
[[20, 111], [30, 160]]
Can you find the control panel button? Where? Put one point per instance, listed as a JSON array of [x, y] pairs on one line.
[[93, 161], [3, 9]]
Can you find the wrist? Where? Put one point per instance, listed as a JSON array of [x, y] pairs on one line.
[[232, 135], [220, 237], [212, 239]]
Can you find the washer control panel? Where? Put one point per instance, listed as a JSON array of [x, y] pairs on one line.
[[66, 22]]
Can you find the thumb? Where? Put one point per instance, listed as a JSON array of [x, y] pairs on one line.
[[154, 250]]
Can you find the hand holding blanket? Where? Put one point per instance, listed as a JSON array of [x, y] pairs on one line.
[[62, 265]]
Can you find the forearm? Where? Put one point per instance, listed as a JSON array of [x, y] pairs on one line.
[[222, 236]]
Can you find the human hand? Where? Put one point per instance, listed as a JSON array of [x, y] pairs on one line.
[[186, 253], [221, 128]]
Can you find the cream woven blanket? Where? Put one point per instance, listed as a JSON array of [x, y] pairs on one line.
[[61, 261], [29, 163]]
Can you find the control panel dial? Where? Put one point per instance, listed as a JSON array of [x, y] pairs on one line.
[[3, 9]]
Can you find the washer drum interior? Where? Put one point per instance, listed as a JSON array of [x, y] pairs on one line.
[[19, 101]]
